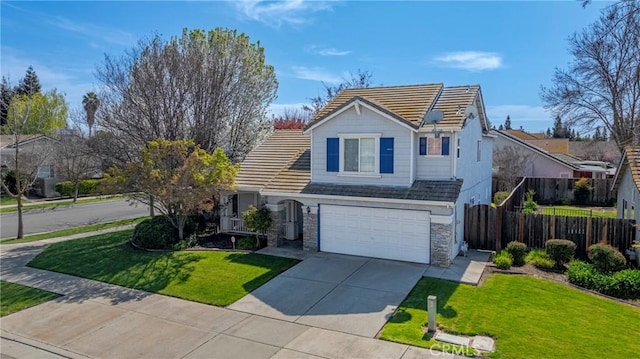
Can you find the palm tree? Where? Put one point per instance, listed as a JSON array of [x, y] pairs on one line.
[[91, 103]]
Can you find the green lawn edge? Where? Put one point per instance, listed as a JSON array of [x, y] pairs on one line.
[[74, 230], [16, 297], [211, 277], [529, 318], [29, 206]]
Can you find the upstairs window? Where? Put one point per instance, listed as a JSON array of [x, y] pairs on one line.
[[359, 155], [434, 146]]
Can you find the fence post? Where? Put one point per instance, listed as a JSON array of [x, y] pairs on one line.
[[589, 231], [499, 213]]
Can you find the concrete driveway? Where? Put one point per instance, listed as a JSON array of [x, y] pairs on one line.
[[354, 295]]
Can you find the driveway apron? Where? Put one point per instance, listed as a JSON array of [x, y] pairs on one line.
[[354, 295]]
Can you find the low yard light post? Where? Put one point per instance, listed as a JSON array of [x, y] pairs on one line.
[[432, 310], [233, 242]]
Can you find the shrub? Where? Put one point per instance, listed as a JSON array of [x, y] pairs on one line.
[[606, 259], [246, 243], [622, 284], [503, 260], [155, 233], [530, 206], [517, 251], [560, 250], [191, 241], [582, 191], [500, 196], [196, 224], [540, 259], [85, 187]]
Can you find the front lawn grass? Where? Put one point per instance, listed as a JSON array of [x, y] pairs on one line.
[[211, 277], [529, 318], [575, 211], [16, 297]]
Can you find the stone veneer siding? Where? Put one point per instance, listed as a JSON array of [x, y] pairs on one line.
[[441, 244], [310, 232], [272, 233]]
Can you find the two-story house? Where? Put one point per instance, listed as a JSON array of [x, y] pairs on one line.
[[368, 176]]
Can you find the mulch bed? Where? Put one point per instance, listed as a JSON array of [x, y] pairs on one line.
[[554, 275], [219, 241]]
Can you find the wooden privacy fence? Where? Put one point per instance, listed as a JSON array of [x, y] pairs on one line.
[[491, 228], [559, 190]]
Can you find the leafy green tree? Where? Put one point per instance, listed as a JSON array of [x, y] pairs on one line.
[[6, 94], [30, 84], [178, 177], [30, 115], [90, 103], [36, 114], [507, 123], [257, 220]]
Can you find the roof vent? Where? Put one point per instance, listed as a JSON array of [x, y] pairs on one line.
[[468, 89], [458, 111]]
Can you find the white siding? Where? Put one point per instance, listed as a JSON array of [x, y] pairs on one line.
[[476, 175], [434, 167], [349, 122], [539, 165], [628, 193]]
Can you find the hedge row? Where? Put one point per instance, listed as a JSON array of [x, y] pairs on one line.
[[622, 284], [85, 187]]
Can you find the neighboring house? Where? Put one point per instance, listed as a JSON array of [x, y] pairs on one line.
[[627, 183], [368, 177], [523, 135], [38, 151], [605, 151], [545, 164]]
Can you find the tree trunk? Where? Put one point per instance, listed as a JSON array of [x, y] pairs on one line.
[[75, 191], [151, 206], [180, 230], [20, 225]]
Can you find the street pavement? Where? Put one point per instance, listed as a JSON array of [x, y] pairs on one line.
[[63, 217], [100, 320]]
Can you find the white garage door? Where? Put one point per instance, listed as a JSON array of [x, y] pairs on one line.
[[398, 234]]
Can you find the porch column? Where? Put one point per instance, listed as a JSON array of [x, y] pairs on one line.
[[272, 233], [310, 230]]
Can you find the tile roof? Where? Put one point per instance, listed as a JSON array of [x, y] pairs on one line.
[[554, 145], [445, 191], [275, 160], [630, 159], [523, 135], [411, 103]]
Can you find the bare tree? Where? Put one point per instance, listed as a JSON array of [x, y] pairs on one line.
[[510, 163], [90, 103], [291, 118], [74, 159], [27, 114], [211, 87], [360, 79], [602, 84]]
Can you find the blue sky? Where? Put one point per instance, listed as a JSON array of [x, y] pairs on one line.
[[510, 48]]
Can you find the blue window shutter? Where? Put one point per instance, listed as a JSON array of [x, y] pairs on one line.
[[423, 146], [333, 154], [445, 146], [386, 155]]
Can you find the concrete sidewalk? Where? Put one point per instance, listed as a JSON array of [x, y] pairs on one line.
[[100, 320]]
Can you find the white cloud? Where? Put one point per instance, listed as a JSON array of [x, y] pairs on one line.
[[470, 60], [316, 74], [531, 118], [106, 34], [277, 13], [327, 51]]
